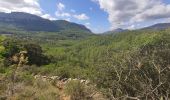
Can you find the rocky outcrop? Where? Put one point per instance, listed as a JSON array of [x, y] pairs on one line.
[[61, 80]]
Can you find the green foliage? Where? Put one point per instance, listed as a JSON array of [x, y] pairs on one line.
[[35, 55], [34, 52], [77, 91], [121, 64], [133, 64]]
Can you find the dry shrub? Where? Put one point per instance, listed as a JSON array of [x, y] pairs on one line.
[[79, 91]]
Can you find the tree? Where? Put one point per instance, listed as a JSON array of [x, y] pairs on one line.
[[35, 55], [12, 48]]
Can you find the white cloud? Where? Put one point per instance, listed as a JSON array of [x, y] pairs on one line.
[[168, 20], [124, 12], [47, 16], [87, 25], [68, 15], [81, 17], [62, 14], [60, 11], [132, 27], [60, 6], [68, 19], [28, 6]]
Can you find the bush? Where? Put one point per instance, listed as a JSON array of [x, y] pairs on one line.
[[77, 91], [34, 53], [139, 74]]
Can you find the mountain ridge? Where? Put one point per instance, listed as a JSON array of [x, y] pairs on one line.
[[158, 26], [118, 30], [30, 22]]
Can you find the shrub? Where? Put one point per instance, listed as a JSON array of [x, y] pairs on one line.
[[77, 91], [34, 52]]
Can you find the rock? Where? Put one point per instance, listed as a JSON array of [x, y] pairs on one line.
[[82, 81], [87, 82], [69, 79], [54, 77], [37, 76], [75, 79]]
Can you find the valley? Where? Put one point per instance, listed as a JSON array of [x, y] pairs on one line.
[[120, 65]]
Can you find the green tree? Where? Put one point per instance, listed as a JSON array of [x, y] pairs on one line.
[[35, 55]]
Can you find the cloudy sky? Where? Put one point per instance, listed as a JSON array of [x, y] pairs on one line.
[[98, 15]]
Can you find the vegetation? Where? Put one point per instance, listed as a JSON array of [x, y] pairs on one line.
[[127, 65], [29, 22], [14, 48]]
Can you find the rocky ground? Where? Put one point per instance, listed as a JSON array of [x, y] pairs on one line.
[[49, 87]]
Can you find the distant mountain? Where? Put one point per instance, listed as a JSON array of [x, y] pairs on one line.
[[118, 30], [27, 22], [65, 25], [158, 26], [31, 22]]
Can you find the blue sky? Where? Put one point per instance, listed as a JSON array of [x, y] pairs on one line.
[[98, 15], [97, 18]]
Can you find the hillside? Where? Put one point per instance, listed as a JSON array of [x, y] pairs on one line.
[[116, 65], [115, 31], [159, 26], [29, 22], [119, 63], [65, 25], [84, 49]]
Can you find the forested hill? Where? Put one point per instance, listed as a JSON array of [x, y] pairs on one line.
[[31, 22], [116, 65], [159, 26], [65, 25]]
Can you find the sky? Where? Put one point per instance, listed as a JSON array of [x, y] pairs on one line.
[[97, 15]]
